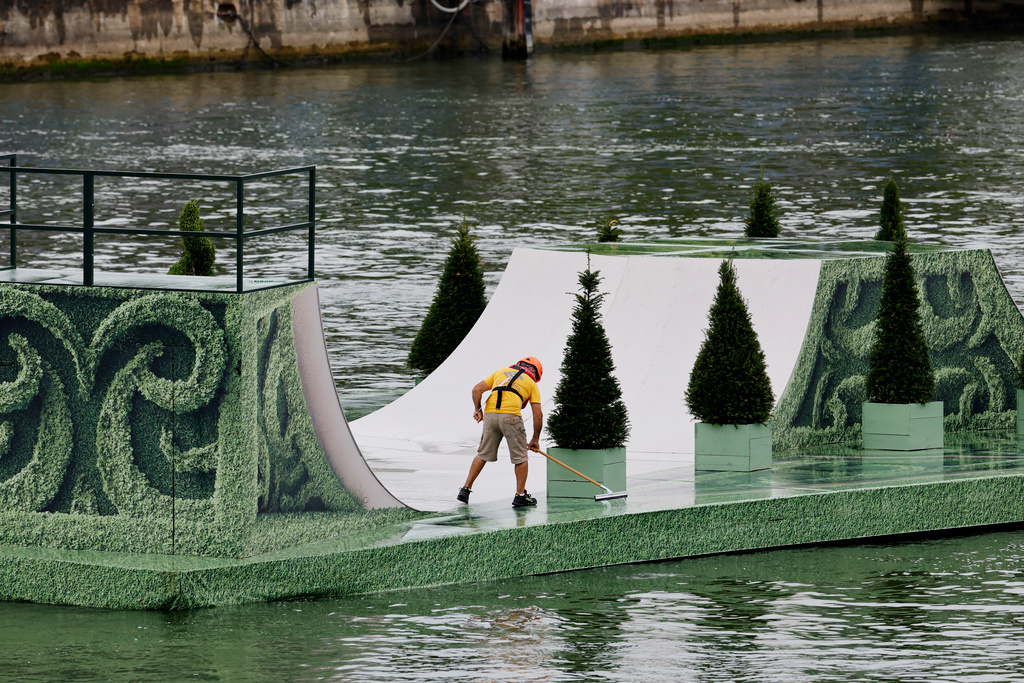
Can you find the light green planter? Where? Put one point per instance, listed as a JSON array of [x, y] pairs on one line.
[[902, 426], [732, 448], [606, 466], [1020, 412]]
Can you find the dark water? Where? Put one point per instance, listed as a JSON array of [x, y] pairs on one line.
[[537, 154], [946, 610]]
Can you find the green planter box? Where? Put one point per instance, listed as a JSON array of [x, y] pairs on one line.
[[1020, 412], [902, 426], [732, 448], [605, 466]]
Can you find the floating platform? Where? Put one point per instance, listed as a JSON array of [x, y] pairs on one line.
[[165, 446], [814, 496]]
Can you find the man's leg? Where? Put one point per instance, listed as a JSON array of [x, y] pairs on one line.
[[515, 435], [490, 436], [475, 468], [522, 469]]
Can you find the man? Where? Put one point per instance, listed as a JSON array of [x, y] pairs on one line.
[[511, 389]]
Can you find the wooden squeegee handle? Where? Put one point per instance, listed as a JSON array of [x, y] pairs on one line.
[[569, 468]]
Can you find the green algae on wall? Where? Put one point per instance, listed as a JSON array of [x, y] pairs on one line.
[[170, 422], [973, 328]]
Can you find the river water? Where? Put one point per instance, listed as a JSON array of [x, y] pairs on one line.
[[668, 143], [940, 610]]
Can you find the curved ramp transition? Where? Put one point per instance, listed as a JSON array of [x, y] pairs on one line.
[[655, 314]]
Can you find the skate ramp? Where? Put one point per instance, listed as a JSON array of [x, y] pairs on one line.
[[655, 313], [325, 412]]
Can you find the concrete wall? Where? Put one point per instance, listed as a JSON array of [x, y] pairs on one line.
[[49, 30], [41, 31], [567, 21]]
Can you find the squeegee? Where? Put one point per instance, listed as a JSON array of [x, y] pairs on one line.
[[601, 496]]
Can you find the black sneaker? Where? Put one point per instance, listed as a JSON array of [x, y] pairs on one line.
[[523, 499], [464, 495]]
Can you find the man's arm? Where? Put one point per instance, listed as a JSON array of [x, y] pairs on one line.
[[478, 393], [538, 422]]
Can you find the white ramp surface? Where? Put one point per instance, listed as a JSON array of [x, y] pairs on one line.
[[655, 313]]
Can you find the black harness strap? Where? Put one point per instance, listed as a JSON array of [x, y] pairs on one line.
[[508, 387]]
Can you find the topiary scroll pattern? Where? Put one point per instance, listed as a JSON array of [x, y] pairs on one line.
[[185, 423], [34, 486], [972, 326]]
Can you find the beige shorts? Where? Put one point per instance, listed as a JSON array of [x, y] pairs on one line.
[[496, 426]]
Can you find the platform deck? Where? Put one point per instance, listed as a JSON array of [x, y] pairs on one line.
[[826, 494]]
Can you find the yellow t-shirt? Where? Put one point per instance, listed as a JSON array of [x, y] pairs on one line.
[[510, 403]]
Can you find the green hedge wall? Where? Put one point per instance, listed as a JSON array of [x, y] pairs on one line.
[[185, 423], [974, 331]]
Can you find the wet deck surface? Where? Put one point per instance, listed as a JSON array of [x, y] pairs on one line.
[[653, 484]]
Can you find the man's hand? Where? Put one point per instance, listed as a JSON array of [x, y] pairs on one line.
[[534, 445], [478, 393]]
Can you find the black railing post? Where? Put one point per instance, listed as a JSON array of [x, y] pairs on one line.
[[14, 211], [312, 223], [88, 187], [239, 225]]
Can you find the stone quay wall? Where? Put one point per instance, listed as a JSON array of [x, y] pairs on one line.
[[41, 32]]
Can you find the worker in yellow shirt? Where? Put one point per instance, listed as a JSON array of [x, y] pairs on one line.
[[511, 388]]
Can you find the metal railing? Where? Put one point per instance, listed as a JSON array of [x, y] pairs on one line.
[[12, 210], [89, 230]]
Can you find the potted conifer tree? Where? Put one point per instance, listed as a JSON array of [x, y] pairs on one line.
[[729, 391], [762, 221], [458, 302], [608, 232], [900, 414], [589, 423], [890, 220], [197, 253]]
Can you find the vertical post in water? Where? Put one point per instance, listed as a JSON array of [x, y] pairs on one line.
[[528, 26], [311, 248], [13, 179], [239, 225], [88, 217], [518, 42]]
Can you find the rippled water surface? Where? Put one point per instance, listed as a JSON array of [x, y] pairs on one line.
[[946, 610], [536, 154]]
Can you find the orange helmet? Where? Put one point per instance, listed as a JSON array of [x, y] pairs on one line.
[[531, 366]]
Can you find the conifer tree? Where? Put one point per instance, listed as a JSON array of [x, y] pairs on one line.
[[762, 221], [608, 232], [198, 253], [458, 302], [1020, 376], [890, 219], [729, 383], [899, 366], [589, 411]]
